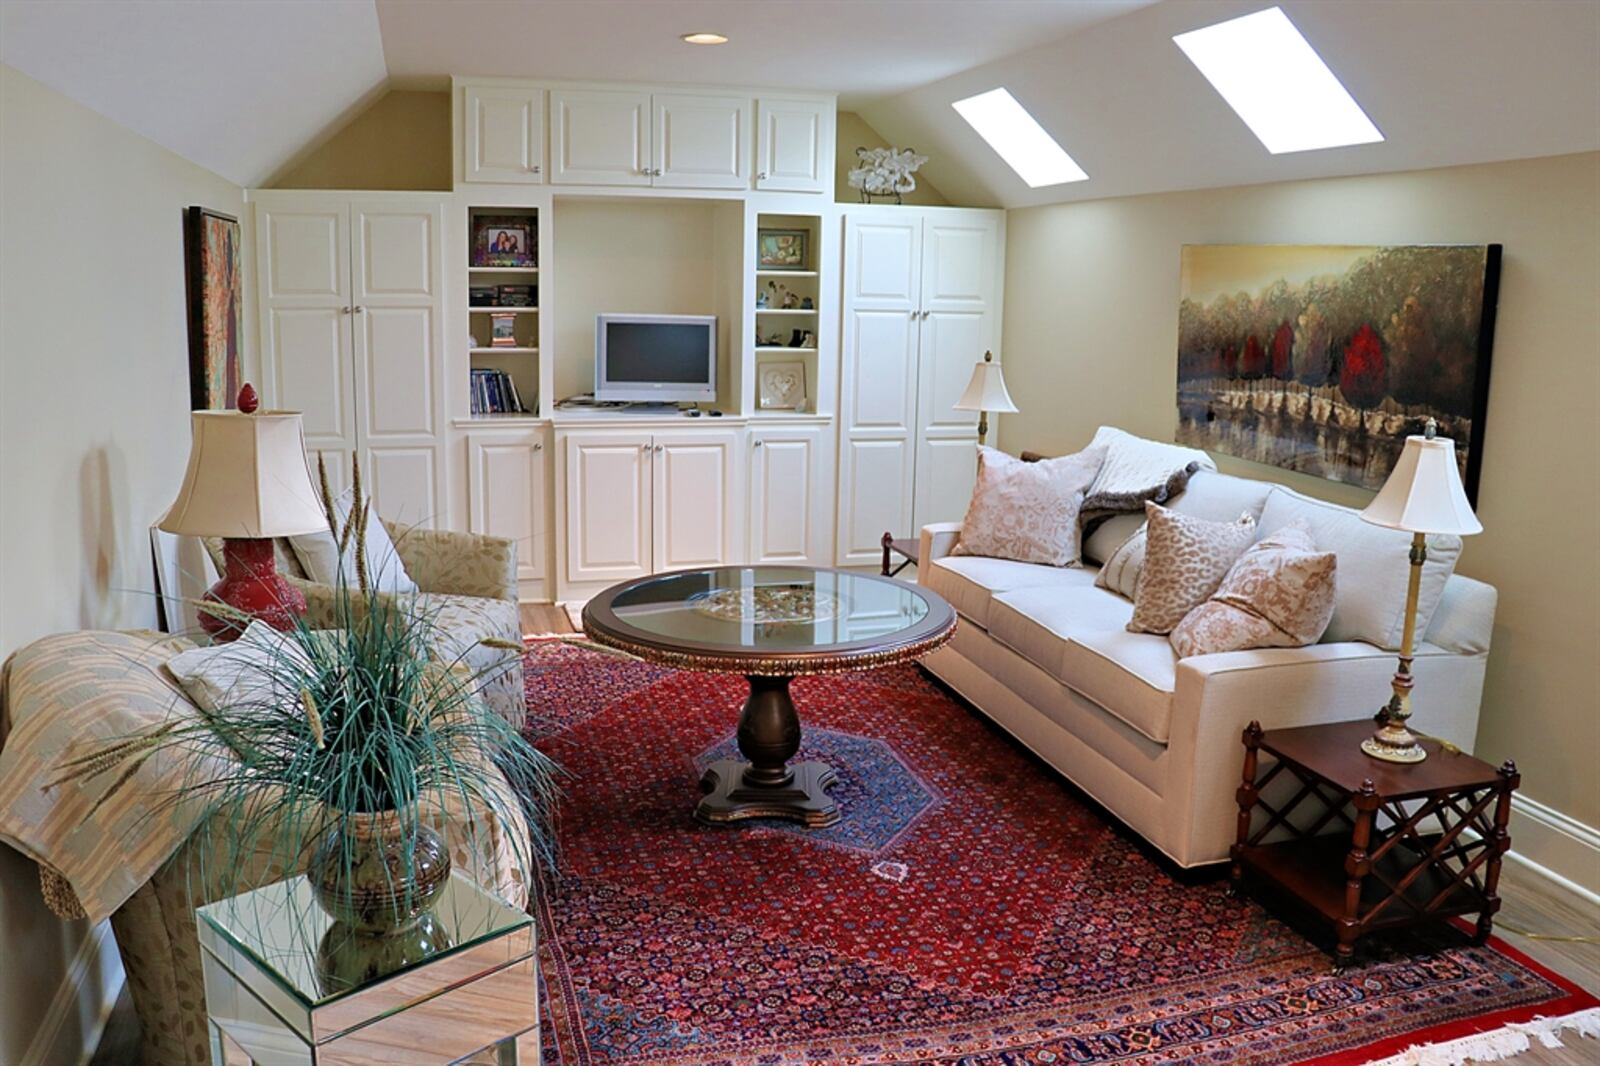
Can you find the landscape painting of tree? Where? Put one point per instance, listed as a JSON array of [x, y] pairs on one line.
[[1323, 358]]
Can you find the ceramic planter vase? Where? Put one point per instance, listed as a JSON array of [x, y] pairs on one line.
[[378, 873]]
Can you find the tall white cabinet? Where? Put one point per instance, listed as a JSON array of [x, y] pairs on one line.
[[922, 291], [351, 311]]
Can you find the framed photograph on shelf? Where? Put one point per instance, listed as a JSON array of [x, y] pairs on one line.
[[783, 249], [503, 331], [781, 386], [212, 277], [504, 241]]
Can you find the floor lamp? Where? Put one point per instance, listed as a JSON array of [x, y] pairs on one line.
[[986, 392]]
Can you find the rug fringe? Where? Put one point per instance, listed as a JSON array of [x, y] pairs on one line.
[[1497, 1044]]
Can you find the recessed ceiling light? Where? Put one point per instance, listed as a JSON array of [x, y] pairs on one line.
[[1018, 139], [1272, 77], [705, 38]]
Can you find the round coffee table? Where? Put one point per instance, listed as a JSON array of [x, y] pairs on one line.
[[772, 624]]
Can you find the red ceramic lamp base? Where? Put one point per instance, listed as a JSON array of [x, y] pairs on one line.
[[252, 585]]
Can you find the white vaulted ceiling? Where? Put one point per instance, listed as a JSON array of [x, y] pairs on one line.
[[243, 86]]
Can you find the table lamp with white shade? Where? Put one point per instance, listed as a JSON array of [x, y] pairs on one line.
[[1423, 495], [247, 482], [986, 392]]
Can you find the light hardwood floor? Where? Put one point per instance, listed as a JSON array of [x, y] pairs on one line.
[[1531, 903]]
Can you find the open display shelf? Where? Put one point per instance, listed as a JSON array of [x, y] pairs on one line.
[[786, 332], [520, 361]]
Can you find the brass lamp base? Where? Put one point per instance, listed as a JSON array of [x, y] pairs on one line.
[[1393, 743]]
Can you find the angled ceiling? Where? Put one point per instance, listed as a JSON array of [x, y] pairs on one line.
[[242, 87], [1448, 82], [238, 88]]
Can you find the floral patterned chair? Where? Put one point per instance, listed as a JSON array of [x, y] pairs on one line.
[[468, 591]]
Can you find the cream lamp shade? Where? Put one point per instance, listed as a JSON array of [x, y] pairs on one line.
[[1424, 493], [247, 478], [987, 390]]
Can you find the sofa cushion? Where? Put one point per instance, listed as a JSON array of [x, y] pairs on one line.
[[459, 625], [1036, 623], [1131, 675], [1109, 535], [1374, 568], [968, 581], [1221, 497]]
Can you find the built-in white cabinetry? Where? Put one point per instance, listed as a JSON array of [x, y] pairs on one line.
[[794, 138], [790, 494], [667, 140], [351, 308], [639, 501], [921, 305], [507, 490], [503, 133]]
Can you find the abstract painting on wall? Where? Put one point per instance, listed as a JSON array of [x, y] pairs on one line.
[[1322, 358], [212, 259]]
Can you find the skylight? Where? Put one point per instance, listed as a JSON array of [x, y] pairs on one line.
[[1018, 139], [1272, 77]]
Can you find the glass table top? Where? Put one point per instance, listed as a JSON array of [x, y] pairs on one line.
[[770, 610], [280, 929]]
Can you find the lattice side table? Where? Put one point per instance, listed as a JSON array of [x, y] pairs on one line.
[[472, 989], [1410, 844]]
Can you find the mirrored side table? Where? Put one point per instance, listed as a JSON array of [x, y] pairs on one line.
[[464, 988]]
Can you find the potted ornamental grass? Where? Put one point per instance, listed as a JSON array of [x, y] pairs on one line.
[[346, 751]]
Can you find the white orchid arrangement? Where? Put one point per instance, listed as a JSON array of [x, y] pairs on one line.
[[885, 171]]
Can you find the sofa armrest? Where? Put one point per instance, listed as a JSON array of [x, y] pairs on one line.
[[457, 564], [938, 539], [1217, 696]]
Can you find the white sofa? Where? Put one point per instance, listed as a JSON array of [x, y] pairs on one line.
[[1156, 739]]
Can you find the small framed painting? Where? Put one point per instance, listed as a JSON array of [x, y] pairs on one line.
[[782, 249], [782, 386], [212, 280], [504, 241], [503, 331]]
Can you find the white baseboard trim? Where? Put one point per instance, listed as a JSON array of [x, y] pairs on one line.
[[71, 1027], [1556, 846]]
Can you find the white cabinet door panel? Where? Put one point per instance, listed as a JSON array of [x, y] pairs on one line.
[[701, 142], [882, 267], [397, 256], [946, 470], [883, 369], [309, 357], [959, 264], [304, 254], [397, 371], [608, 489], [694, 498], [504, 134], [952, 344], [506, 494], [791, 145], [789, 511], [874, 498], [403, 482], [600, 138]]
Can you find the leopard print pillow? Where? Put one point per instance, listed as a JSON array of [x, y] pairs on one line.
[[1185, 560], [1279, 594]]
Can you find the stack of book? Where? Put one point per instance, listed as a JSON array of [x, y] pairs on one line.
[[494, 393]]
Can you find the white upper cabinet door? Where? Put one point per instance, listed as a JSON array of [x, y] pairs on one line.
[[398, 368], [701, 142], [960, 263], [504, 134], [303, 281], [791, 145], [607, 505], [506, 493], [695, 498], [790, 509], [600, 137], [883, 267]]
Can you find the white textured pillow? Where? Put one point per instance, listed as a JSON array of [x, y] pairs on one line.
[[1135, 465], [1109, 535], [249, 672], [1374, 568], [1028, 511], [1120, 573], [320, 555]]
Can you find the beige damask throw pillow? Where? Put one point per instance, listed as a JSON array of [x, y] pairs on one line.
[[1185, 559], [1028, 511], [1280, 594]]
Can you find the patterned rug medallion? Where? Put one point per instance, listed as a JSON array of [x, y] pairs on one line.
[[969, 908]]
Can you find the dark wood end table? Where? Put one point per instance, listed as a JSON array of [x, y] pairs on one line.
[[1411, 843], [908, 548]]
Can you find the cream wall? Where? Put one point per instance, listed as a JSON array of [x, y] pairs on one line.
[[1091, 322], [94, 435], [401, 142], [854, 132]]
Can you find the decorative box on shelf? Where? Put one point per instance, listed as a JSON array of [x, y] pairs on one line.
[[1366, 845]]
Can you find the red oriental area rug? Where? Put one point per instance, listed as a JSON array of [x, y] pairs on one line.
[[969, 908]]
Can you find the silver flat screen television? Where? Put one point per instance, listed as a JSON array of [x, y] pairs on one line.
[[655, 358]]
